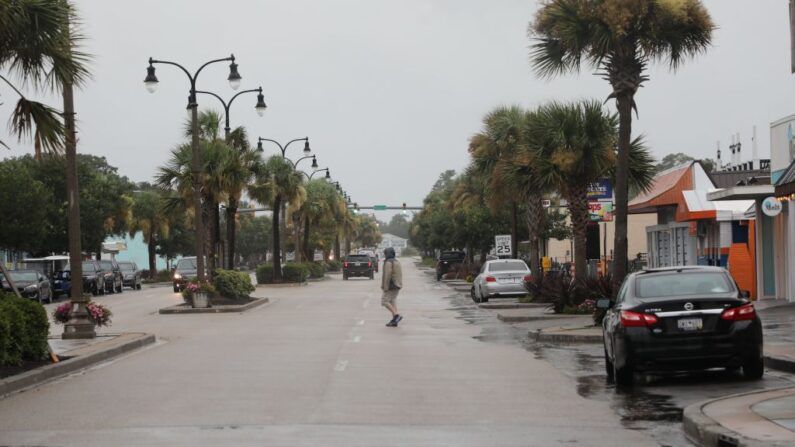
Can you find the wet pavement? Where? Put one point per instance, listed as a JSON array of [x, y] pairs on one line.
[[655, 404]]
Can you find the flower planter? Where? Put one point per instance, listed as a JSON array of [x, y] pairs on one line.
[[201, 300]]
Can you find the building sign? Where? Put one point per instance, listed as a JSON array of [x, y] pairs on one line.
[[771, 207], [600, 211], [502, 245], [601, 190], [546, 203]]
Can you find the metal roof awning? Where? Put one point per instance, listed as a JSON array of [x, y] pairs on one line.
[[749, 192]]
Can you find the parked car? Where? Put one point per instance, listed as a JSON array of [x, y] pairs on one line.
[[114, 279], [679, 319], [447, 261], [500, 278], [62, 283], [373, 257], [357, 265], [93, 277], [185, 271], [30, 283], [131, 275]]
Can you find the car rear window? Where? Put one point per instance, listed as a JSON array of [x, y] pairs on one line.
[[682, 284], [126, 266], [451, 256], [358, 258], [107, 265], [508, 266]]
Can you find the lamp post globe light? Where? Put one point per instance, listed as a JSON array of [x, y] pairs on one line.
[[151, 83]]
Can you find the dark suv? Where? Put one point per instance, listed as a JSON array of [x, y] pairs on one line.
[[358, 265], [114, 278], [185, 271], [448, 260], [93, 277]]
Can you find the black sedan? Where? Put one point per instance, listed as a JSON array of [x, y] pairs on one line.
[[680, 319], [30, 283]]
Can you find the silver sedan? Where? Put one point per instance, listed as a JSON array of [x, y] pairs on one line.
[[500, 278]]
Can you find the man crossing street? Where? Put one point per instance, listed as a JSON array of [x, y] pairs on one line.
[[391, 283]]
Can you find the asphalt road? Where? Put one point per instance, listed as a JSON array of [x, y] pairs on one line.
[[317, 366]]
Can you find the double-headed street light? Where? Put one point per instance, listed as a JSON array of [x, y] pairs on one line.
[[328, 173], [283, 148], [151, 82], [260, 107]]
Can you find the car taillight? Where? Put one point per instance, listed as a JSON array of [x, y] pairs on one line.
[[741, 313], [346, 265], [637, 319], [491, 279], [369, 264], [528, 278]]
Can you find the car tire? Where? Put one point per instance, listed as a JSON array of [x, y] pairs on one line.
[[176, 289], [623, 377], [101, 289], [754, 369], [609, 368], [94, 290], [138, 286], [472, 295]]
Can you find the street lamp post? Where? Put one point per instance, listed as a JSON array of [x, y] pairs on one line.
[[260, 107], [151, 83], [227, 259], [328, 173]]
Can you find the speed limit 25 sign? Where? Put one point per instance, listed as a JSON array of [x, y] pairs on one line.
[[502, 245]]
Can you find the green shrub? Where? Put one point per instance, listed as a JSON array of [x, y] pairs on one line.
[[316, 269], [334, 265], [291, 272], [265, 274], [233, 284], [295, 273], [23, 330]]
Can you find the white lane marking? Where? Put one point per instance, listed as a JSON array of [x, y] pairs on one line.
[[341, 365], [360, 323], [357, 338]]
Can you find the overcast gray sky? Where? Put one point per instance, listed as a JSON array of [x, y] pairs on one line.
[[389, 92]]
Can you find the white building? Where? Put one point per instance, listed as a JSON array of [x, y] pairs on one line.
[[396, 242]]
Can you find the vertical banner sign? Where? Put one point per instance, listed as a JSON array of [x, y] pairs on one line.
[[601, 190], [502, 245]]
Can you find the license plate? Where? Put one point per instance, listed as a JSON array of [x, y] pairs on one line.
[[690, 324]]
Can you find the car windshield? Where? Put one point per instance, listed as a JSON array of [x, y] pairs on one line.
[[453, 255], [127, 266], [681, 284], [508, 266], [186, 264], [87, 267]]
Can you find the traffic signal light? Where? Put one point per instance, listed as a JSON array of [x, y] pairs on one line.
[[404, 206]]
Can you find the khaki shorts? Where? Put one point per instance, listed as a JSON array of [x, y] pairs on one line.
[[389, 297]]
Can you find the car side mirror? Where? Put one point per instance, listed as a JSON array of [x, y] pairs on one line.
[[745, 294], [604, 303]]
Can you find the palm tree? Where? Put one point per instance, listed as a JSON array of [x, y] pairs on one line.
[[573, 145], [277, 183], [320, 206], [39, 42], [619, 39], [239, 171], [150, 218]]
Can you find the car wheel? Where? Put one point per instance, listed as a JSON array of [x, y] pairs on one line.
[[623, 376], [754, 369], [138, 286], [472, 294], [609, 368], [94, 290], [176, 289], [101, 289]]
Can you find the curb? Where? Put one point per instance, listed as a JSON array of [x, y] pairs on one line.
[[704, 431], [182, 309], [557, 336], [527, 318], [780, 363], [44, 374], [512, 305], [284, 285]]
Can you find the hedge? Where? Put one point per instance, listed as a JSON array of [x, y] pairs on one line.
[[290, 273], [334, 265], [233, 284], [316, 269], [24, 328]]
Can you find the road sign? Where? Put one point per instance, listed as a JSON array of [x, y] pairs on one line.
[[502, 245], [379, 207], [546, 203]]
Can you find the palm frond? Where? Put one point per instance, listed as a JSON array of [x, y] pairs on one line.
[[42, 123]]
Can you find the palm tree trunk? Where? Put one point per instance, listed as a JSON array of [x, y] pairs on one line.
[[514, 231], [151, 246], [309, 256], [337, 254], [534, 220], [231, 228], [277, 262], [578, 213], [210, 211], [621, 189], [297, 236]]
